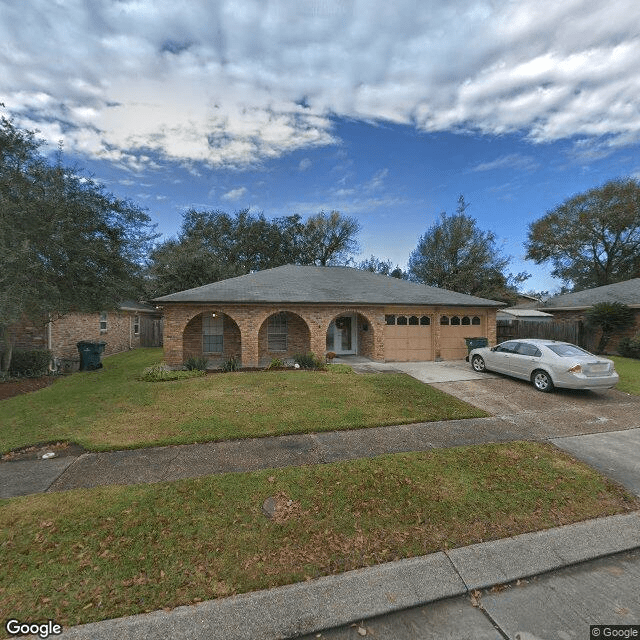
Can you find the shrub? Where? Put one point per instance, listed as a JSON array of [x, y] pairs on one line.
[[308, 361], [30, 364], [162, 373], [276, 363], [196, 363], [610, 317], [630, 347], [232, 364]]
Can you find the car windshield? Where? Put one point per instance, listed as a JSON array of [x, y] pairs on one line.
[[567, 350]]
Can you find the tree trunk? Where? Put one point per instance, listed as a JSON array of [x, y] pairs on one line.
[[6, 350]]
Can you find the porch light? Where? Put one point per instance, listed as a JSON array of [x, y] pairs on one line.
[[213, 315]]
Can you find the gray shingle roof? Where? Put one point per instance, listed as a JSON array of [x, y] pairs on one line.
[[307, 284], [627, 292]]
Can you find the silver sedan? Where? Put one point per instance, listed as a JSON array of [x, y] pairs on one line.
[[547, 364]]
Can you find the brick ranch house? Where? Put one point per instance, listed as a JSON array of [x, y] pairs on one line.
[[279, 312], [572, 306], [131, 325]]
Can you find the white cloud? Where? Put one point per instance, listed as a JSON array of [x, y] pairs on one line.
[[509, 161], [238, 81], [234, 194]]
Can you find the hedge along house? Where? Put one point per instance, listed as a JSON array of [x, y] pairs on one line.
[[280, 312]]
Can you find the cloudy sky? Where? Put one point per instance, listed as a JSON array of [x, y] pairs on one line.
[[385, 111]]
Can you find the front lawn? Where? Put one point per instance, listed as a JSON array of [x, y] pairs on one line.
[[112, 409], [629, 371], [93, 554]]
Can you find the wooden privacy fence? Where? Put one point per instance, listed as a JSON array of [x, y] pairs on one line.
[[565, 330], [150, 332]]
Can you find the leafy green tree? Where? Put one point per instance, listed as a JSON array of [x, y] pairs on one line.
[[609, 317], [329, 239], [593, 238], [65, 244], [384, 267], [214, 245], [455, 254]]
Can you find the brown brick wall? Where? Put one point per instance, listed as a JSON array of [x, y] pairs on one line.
[[298, 340], [192, 340], [71, 328], [250, 320], [67, 331]]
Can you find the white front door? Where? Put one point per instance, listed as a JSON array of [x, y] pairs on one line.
[[342, 335]]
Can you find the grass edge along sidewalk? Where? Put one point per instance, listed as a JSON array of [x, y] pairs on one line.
[[89, 555], [112, 409]]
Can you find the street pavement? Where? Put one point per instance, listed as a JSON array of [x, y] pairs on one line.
[[561, 605]]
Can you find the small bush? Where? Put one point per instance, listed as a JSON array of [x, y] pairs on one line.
[[308, 361], [30, 364], [630, 347], [196, 363], [232, 364], [162, 373], [276, 363]]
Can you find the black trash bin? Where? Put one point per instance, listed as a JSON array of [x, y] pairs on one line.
[[90, 353], [475, 343]]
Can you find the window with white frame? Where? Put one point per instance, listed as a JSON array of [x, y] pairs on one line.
[[277, 332], [103, 322], [212, 333], [136, 325]]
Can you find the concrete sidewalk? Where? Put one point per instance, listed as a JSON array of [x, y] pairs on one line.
[[316, 605]]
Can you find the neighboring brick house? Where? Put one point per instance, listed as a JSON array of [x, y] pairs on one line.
[[572, 306], [131, 325], [279, 312]]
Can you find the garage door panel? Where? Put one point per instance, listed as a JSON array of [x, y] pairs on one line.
[[407, 343]]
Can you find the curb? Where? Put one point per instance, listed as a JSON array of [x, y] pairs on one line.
[[331, 601]]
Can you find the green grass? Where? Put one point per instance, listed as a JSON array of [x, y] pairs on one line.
[[113, 409], [629, 371], [87, 555]]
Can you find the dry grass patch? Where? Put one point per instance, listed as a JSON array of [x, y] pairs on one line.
[[87, 555]]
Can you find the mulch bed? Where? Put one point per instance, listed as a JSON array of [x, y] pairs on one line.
[[26, 385]]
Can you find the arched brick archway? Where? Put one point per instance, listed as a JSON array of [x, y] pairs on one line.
[[282, 334], [213, 334], [351, 331]]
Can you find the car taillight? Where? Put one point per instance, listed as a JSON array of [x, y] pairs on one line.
[[575, 369]]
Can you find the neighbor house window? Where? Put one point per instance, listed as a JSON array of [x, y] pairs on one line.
[[455, 320], [425, 320], [401, 320], [136, 325], [103, 322], [475, 320], [444, 319], [466, 320], [277, 332], [413, 320], [212, 333], [390, 319]]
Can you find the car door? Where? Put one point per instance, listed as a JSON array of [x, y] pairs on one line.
[[499, 357], [524, 360]]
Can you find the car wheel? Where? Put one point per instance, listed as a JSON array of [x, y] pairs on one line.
[[477, 362], [542, 381]]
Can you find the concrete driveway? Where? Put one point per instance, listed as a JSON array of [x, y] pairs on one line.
[[601, 428]]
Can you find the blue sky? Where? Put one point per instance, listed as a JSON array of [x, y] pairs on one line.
[[383, 111]]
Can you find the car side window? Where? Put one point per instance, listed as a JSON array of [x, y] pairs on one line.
[[528, 350], [507, 347]]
